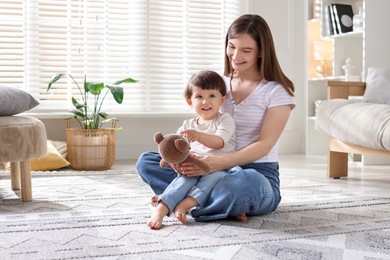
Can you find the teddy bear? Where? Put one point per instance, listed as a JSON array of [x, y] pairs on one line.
[[175, 149]]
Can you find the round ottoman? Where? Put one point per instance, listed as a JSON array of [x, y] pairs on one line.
[[22, 138]]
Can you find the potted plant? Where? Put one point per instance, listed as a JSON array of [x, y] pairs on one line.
[[92, 146]]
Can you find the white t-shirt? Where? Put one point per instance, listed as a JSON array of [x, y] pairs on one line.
[[249, 113], [222, 125]]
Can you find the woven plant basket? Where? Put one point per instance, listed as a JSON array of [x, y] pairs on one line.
[[90, 149]]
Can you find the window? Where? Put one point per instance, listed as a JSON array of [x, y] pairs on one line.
[[160, 43]]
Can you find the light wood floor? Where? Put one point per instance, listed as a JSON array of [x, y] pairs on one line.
[[373, 179]]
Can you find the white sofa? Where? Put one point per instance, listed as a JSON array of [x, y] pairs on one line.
[[353, 127]]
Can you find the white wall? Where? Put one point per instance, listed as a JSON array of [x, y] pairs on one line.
[[376, 49], [287, 24], [377, 52]]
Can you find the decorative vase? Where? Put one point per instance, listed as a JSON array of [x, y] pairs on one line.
[[350, 71], [90, 149], [358, 21]]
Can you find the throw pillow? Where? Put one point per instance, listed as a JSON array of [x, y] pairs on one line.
[[377, 86], [61, 147], [53, 160], [14, 101]]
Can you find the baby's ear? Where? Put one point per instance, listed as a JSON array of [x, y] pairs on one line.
[[189, 102]]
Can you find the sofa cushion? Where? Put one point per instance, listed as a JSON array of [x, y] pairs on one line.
[[386, 138], [365, 124], [377, 86], [14, 101]]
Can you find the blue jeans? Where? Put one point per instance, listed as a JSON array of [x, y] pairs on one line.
[[252, 188], [197, 187]]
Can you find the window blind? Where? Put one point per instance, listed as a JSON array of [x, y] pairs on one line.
[[160, 43]]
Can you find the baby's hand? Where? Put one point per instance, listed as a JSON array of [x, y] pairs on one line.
[[191, 135]]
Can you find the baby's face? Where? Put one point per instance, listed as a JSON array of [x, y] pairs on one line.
[[206, 102]]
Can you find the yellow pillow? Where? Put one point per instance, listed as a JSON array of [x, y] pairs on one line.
[[51, 161]]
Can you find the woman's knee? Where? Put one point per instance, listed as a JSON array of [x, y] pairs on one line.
[[140, 162], [242, 179], [146, 166], [145, 160], [248, 186]]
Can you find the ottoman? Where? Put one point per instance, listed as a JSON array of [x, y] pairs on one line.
[[22, 138]]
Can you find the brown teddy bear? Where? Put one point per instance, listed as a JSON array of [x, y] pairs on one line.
[[175, 149]]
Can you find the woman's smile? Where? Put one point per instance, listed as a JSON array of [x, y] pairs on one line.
[[238, 62]]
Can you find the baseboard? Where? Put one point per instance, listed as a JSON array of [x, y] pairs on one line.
[[375, 160]]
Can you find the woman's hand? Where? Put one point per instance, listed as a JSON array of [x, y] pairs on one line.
[[175, 167], [188, 169], [191, 170]]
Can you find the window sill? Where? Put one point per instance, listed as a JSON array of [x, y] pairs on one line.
[[63, 115]]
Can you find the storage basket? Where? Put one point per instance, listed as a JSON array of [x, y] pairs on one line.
[[90, 149]]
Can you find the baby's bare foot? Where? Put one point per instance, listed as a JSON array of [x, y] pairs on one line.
[[154, 200], [242, 217], [184, 207], [155, 221], [181, 214]]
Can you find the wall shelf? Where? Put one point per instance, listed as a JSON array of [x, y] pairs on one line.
[[342, 46]]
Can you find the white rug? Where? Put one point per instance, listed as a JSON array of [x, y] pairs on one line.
[[88, 215]]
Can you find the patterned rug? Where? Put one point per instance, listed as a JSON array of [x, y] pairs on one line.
[[89, 215]]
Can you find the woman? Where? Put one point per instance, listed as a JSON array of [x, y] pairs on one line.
[[260, 99]]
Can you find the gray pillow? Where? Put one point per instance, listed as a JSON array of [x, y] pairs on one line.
[[14, 101], [377, 86]]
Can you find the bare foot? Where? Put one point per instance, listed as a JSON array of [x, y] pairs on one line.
[[154, 200], [181, 214], [183, 207], [242, 217], [155, 221]]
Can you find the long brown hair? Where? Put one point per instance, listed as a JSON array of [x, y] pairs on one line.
[[268, 64]]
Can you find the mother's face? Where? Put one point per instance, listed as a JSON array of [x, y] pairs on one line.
[[242, 52]]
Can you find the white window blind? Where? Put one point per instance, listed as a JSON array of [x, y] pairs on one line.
[[160, 43]]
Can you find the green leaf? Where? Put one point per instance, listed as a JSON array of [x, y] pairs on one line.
[[112, 125], [109, 120], [76, 104], [95, 87], [128, 80], [54, 79], [103, 114], [86, 89], [87, 123], [117, 93], [77, 112]]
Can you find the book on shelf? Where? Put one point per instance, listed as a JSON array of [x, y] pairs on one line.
[[333, 19], [343, 15], [328, 21]]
